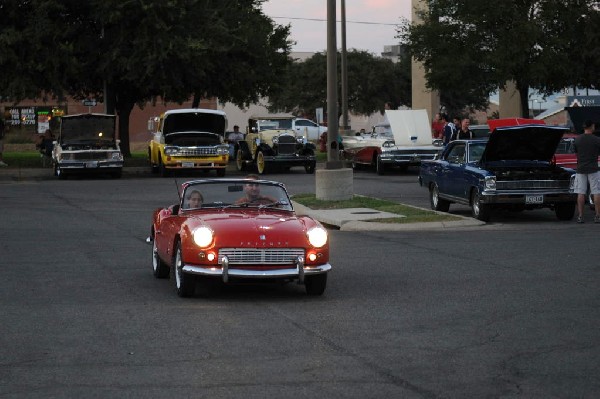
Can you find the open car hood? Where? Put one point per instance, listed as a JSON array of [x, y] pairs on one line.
[[86, 127], [410, 127], [523, 143], [202, 121]]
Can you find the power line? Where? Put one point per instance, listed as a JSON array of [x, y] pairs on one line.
[[351, 22]]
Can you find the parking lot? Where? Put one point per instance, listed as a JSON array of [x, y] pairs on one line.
[[509, 309]]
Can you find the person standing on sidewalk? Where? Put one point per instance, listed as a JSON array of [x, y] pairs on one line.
[[587, 147], [2, 163]]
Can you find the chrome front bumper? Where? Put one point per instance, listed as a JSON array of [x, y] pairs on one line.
[[225, 271]]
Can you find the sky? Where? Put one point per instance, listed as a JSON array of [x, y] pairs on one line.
[[370, 24]]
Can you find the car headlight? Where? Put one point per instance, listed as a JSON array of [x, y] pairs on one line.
[[116, 156], [275, 139], [171, 150], [490, 182], [222, 150], [203, 236], [317, 236], [300, 140]]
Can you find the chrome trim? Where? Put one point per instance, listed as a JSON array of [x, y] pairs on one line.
[[300, 268], [232, 272]]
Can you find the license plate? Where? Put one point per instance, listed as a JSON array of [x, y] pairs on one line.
[[187, 164], [91, 164], [534, 199]]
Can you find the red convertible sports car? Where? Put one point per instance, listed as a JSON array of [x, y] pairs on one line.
[[236, 230]]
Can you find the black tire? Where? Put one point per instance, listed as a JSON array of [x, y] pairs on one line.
[[379, 166], [478, 210], [58, 172], [159, 268], [437, 203], [315, 285], [565, 211], [261, 165], [153, 166], [221, 172], [310, 167], [185, 284], [164, 172]]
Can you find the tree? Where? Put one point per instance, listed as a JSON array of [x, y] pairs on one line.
[[134, 52], [469, 48], [372, 81]]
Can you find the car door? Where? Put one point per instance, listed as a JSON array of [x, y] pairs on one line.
[[455, 174]]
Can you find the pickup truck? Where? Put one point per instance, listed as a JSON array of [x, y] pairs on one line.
[[513, 170]]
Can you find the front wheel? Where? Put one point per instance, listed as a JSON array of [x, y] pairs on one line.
[[310, 168], [261, 165], [379, 166], [159, 268], [565, 211], [315, 285], [185, 284], [478, 210]]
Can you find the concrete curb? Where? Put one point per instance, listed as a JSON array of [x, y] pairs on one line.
[[349, 224]]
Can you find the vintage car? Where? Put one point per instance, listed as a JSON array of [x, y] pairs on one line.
[[87, 143], [270, 145], [188, 139], [404, 141], [227, 231], [511, 170]]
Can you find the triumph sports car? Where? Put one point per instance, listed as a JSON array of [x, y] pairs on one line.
[[226, 231]]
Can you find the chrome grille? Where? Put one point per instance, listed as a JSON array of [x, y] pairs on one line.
[[531, 184], [254, 256], [88, 156], [195, 152], [286, 145]]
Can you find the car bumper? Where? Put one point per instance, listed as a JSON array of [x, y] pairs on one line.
[[225, 271], [541, 198], [90, 165], [409, 159], [174, 163], [291, 159]]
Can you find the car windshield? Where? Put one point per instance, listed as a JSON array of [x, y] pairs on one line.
[[240, 193], [268, 124], [565, 147], [476, 151]]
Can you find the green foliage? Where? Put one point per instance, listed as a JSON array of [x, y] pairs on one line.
[[139, 51], [372, 81], [470, 48]]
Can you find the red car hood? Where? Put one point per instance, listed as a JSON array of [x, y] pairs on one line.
[[257, 229]]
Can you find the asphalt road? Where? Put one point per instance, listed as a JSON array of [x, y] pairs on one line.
[[507, 310]]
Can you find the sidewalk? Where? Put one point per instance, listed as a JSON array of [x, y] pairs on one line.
[[351, 219]]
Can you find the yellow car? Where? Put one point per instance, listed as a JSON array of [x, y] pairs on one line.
[[185, 139]]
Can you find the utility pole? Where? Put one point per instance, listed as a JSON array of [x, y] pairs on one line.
[[344, 72]]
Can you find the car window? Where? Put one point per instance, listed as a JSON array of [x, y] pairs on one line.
[[456, 154], [476, 151]]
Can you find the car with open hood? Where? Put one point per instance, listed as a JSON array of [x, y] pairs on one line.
[[188, 139], [404, 140], [228, 231], [87, 143], [514, 170]]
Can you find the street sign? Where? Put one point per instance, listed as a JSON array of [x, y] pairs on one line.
[[89, 103]]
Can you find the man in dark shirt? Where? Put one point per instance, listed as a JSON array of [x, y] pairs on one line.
[[463, 132], [587, 147]]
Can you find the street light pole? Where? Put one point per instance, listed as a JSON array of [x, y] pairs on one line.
[[332, 98], [344, 71]]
